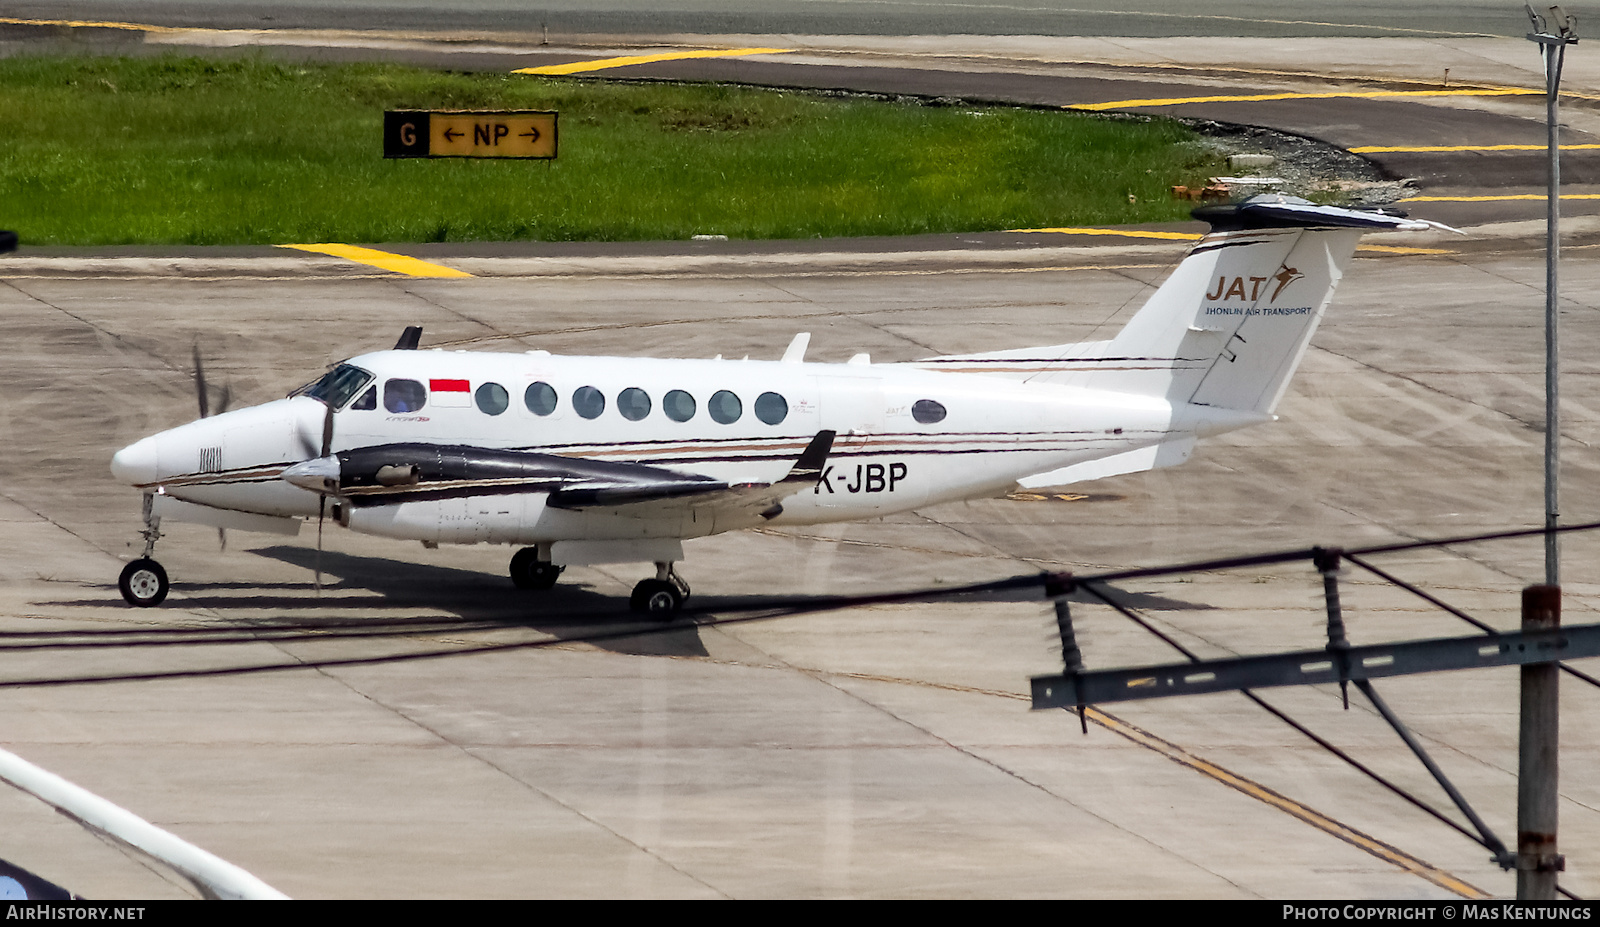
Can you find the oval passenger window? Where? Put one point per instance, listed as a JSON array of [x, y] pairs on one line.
[[492, 398], [588, 401], [678, 405], [540, 398], [927, 411], [633, 403], [771, 408], [725, 407]]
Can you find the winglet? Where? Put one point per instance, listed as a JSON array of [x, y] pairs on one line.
[[809, 467], [409, 339]]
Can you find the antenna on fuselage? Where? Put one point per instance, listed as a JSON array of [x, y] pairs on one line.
[[409, 338]]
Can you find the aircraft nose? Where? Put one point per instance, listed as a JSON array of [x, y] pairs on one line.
[[136, 463]]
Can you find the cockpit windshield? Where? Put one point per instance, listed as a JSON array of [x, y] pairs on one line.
[[336, 387]]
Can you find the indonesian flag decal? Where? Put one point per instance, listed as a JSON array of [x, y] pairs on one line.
[[450, 393]]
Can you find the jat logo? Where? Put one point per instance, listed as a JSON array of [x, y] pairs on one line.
[[1238, 288]]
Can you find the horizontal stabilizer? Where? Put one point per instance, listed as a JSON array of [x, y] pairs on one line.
[[1288, 212]]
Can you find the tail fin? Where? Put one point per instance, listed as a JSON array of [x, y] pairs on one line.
[[1231, 324]]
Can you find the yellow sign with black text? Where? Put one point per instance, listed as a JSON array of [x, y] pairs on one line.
[[525, 134]]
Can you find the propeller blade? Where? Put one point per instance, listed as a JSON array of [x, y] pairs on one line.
[[322, 511], [308, 446], [327, 433], [322, 503], [200, 383]]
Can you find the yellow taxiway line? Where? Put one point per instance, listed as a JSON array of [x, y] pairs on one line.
[[1374, 149], [600, 64], [1331, 95], [96, 24], [1288, 805], [1496, 198], [1178, 754], [398, 263], [1125, 233]]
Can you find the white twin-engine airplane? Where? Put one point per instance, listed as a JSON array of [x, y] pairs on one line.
[[584, 460]]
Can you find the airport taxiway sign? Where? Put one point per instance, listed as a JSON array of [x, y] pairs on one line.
[[524, 134]]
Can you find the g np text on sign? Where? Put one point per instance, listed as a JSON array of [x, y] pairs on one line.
[[525, 134]]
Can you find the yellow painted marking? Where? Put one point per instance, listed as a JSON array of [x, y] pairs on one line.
[[1288, 805], [1496, 198], [1125, 233], [1374, 149], [398, 263], [95, 24], [601, 64], [1231, 779], [1333, 95], [1392, 250]]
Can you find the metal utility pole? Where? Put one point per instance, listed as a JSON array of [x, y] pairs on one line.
[[1552, 34], [1538, 782]]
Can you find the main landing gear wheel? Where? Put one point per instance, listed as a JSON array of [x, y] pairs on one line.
[[660, 597], [529, 572], [656, 597], [143, 583]]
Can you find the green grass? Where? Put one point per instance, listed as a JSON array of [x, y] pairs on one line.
[[97, 151]]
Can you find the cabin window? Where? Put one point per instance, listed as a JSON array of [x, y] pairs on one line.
[[404, 395], [771, 408], [540, 398], [633, 403], [927, 411], [678, 405], [336, 387], [492, 398], [368, 400], [725, 407], [588, 401]]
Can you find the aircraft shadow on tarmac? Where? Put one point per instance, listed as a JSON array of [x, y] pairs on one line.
[[568, 611]]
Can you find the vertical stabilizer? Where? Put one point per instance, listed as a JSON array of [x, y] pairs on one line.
[[1231, 324]]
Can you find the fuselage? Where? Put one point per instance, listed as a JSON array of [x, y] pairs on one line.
[[906, 437]]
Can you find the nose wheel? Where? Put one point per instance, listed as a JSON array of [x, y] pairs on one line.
[[143, 582], [660, 597]]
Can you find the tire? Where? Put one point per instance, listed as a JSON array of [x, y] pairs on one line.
[[529, 572], [519, 567], [657, 598], [143, 583]]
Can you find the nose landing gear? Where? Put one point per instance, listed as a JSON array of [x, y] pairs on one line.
[[662, 596], [143, 582]]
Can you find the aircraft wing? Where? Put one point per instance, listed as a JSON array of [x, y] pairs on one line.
[[392, 473], [651, 499]]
